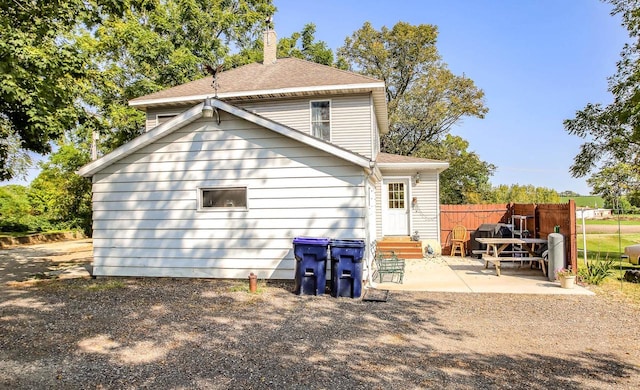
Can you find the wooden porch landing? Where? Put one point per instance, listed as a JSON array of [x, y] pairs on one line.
[[402, 246]]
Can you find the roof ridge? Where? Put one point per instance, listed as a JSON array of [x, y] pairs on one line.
[[332, 67]]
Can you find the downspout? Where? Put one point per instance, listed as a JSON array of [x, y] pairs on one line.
[[369, 260]]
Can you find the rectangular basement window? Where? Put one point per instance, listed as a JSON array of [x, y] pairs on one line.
[[223, 198]]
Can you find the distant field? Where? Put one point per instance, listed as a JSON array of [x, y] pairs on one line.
[[584, 201], [610, 221]]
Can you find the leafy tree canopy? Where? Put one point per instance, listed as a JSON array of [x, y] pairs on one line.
[[304, 45], [39, 66], [77, 62], [301, 45], [424, 97], [467, 178], [167, 43], [524, 194], [614, 182], [612, 132], [58, 194]]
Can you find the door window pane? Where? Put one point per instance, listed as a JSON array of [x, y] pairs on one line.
[[396, 195]]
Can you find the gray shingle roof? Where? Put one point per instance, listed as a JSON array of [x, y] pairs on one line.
[[284, 74]]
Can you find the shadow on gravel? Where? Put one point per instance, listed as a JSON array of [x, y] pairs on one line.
[[35, 262], [166, 333]]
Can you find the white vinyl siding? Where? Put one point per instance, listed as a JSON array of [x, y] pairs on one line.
[[424, 215], [146, 218], [293, 113], [426, 212], [352, 124]]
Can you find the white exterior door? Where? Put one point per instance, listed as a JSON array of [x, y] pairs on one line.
[[395, 207]]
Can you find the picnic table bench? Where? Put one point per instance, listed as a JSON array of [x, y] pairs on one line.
[[497, 246], [496, 260]]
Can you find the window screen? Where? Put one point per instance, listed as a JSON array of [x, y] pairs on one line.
[[321, 119], [235, 197]]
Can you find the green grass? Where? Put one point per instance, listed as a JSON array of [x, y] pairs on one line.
[[614, 287], [624, 220], [607, 222], [609, 246], [606, 246], [584, 201], [244, 287]]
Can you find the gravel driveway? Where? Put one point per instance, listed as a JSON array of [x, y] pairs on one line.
[[212, 334]]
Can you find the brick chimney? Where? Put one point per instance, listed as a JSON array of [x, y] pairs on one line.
[[270, 47]]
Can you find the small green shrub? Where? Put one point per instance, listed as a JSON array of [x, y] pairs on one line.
[[596, 271]]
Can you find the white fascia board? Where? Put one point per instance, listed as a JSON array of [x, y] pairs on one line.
[[421, 166], [293, 134], [230, 95], [143, 140]]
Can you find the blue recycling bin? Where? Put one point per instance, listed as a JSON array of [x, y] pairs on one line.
[[346, 268], [311, 265]]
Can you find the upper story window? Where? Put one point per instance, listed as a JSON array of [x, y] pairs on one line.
[[321, 119]]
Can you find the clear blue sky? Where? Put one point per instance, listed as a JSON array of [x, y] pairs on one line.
[[538, 62]]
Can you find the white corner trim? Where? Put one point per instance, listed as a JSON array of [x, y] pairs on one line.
[[145, 139]]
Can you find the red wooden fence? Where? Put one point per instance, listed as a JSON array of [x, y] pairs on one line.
[[540, 222]]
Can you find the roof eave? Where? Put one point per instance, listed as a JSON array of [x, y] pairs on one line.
[[143, 103], [438, 166]]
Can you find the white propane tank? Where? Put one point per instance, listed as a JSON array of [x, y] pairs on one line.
[[556, 254]]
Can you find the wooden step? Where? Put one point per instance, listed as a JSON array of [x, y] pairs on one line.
[[405, 249], [397, 238]]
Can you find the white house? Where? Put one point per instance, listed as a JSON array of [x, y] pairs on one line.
[[226, 176], [589, 213]]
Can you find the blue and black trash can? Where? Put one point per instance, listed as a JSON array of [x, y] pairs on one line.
[[346, 268], [311, 265]]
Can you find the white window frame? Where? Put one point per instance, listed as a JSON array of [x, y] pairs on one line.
[[311, 117], [200, 197]]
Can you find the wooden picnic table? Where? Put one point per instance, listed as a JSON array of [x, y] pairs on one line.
[[498, 245]]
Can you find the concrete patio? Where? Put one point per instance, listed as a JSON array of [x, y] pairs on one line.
[[458, 274]]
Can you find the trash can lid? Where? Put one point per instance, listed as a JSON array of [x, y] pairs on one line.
[[348, 243], [311, 241]]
